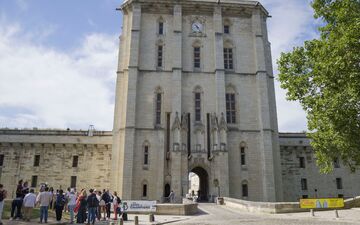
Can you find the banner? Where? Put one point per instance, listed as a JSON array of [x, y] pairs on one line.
[[138, 206], [321, 203]]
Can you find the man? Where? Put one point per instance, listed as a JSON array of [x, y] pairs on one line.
[[92, 205], [107, 199], [44, 198], [172, 196], [29, 204], [2, 198], [17, 202]]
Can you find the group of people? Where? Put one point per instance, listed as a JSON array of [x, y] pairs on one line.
[[84, 206]]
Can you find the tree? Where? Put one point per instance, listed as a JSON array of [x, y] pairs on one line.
[[324, 76]]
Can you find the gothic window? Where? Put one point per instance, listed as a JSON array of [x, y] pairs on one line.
[[160, 56], [146, 155], [304, 184], [242, 156], [197, 57], [161, 28], [339, 184], [244, 189], [158, 105], [228, 59], [197, 106], [230, 108]]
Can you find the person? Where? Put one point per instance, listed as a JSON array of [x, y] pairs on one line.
[[92, 205], [172, 196], [81, 207], [71, 204], [116, 203], [29, 204], [67, 199], [17, 202], [44, 198], [51, 205], [107, 199], [59, 205], [3, 195], [101, 204]]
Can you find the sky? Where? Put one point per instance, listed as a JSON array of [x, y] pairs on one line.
[[58, 61]]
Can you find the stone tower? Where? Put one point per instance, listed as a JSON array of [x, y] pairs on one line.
[[195, 93]]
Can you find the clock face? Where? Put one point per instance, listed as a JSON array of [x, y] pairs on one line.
[[197, 27]]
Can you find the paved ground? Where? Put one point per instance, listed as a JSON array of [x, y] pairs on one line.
[[212, 214]]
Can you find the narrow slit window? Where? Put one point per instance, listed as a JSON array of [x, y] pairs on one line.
[[161, 28], [245, 191], [304, 184], [75, 161], [242, 155], [144, 190], [228, 59], [197, 57], [73, 181], [339, 184], [1, 160], [302, 162], [158, 108], [230, 108], [197, 107], [34, 180], [226, 29], [146, 155], [37, 160], [160, 56]]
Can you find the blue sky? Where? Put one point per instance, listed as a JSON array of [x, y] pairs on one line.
[[58, 60]]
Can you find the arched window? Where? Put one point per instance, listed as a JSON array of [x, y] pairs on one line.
[[197, 100], [230, 105], [158, 105], [197, 54], [159, 54], [242, 154], [160, 26], [228, 56], [144, 189], [244, 189], [146, 149]]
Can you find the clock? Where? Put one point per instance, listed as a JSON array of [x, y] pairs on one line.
[[197, 27]]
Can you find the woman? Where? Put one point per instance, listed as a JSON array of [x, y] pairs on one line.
[[59, 205], [81, 207], [116, 202], [71, 204]]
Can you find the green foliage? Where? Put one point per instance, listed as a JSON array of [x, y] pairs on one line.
[[324, 76]]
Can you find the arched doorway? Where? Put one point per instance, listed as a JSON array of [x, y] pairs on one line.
[[203, 191], [167, 190]]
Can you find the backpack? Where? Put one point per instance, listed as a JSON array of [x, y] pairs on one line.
[[61, 201]]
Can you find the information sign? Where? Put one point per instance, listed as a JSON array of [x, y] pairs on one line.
[[321, 203]]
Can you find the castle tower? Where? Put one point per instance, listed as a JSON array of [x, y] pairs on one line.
[[195, 93]]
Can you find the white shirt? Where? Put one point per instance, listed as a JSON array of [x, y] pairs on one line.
[[44, 198], [30, 200], [72, 199]]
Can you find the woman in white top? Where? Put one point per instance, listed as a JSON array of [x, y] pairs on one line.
[[71, 204]]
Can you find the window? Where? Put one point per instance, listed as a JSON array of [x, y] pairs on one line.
[[302, 162], [75, 161], [160, 56], [245, 190], [339, 184], [146, 155], [226, 29], [37, 160], [73, 182], [340, 196], [144, 194], [34, 180], [161, 28], [242, 155], [197, 57], [305, 196], [228, 59], [230, 108], [1, 160], [197, 106], [158, 109], [336, 163], [303, 184]]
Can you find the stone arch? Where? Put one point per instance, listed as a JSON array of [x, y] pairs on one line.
[[202, 173]]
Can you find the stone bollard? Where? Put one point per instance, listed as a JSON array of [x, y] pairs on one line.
[[336, 214], [312, 212], [151, 217], [121, 221], [136, 220]]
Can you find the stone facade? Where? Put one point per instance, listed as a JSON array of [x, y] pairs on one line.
[[182, 141], [55, 150]]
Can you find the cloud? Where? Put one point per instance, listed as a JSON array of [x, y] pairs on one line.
[[52, 89], [291, 23]]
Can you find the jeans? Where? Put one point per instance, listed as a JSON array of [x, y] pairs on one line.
[[16, 204], [108, 205], [44, 213], [71, 211], [1, 210], [91, 215], [58, 211]]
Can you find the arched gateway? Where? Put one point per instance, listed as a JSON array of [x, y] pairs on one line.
[[203, 192]]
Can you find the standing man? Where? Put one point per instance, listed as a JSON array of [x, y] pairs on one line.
[[172, 196], [17, 202], [2, 198], [44, 198], [92, 204], [29, 204]]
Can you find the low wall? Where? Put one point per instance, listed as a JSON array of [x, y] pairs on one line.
[[279, 207], [177, 209]]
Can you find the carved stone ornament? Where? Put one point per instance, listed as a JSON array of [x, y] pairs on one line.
[[176, 124], [223, 124]]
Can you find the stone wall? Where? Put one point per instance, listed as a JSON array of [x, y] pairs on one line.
[[56, 150]]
